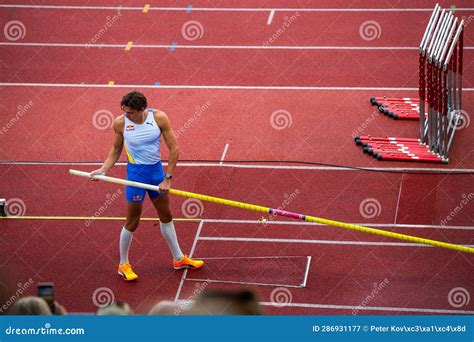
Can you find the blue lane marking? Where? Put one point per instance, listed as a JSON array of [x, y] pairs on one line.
[[157, 84], [173, 46], [190, 8]]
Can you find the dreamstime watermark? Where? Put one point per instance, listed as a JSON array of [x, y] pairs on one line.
[[21, 110], [103, 119], [365, 124], [193, 119], [370, 30], [378, 287], [108, 24], [463, 119], [21, 288], [192, 208], [110, 198], [47, 329], [15, 207], [192, 30], [281, 119], [281, 296], [458, 297], [14, 30], [103, 297], [370, 208], [466, 198], [282, 29], [184, 305], [468, 20], [284, 204]]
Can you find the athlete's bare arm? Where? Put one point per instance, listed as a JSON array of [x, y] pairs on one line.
[[170, 140], [116, 150]]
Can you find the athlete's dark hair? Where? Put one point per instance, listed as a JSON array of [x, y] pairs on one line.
[[134, 100]]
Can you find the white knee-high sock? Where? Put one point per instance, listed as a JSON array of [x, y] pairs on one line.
[[169, 233], [126, 237]]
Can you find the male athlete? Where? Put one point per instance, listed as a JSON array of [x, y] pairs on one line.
[[139, 130]]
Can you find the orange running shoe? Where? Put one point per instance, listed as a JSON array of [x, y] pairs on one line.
[[187, 262], [125, 270]]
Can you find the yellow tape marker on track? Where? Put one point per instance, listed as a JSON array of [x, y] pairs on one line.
[[128, 47], [146, 8], [247, 206], [111, 83]]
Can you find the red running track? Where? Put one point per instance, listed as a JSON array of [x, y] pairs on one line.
[[403, 199], [416, 278], [228, 28], [263, 4], [322, 125], [58, 127]]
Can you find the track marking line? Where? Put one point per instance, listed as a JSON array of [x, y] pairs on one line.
[[321, 242], [221, 87], [398, 201], [224, 154], [173, 46], [241, 282], [369, 308], [227, 9], [232, 221], [183, 277], [307, 272], [128, 47], [308, 258], [254, 257], [270, 17], [217, 47], [259, 166]]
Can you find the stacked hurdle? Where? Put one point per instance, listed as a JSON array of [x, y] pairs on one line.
[[398, 108], [438, 107]]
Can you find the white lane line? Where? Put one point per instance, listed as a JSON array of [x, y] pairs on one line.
[[259, 166], [217, 47], [183, 277], [321, 242], [241, 282], [307, 272], [247, 222], [228, 9], [270, 17], [375, 225], [369, 308], [224, 154], [254, 257], [398, 201], [150, 86]]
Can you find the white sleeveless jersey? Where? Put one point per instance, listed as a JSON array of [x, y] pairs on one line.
[[142, 142]]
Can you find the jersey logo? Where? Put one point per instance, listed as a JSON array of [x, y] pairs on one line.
[[137, 197], [150, 123], [130, 128]]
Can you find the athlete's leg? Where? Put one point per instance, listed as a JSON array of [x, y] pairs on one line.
[[162, 206], [134, 210]]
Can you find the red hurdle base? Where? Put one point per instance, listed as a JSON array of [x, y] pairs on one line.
[[398, 108], [397, 149]]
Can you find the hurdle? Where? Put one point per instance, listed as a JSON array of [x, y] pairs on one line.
[[439, 105]]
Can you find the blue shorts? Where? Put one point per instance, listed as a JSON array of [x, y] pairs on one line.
[[149, 174]]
